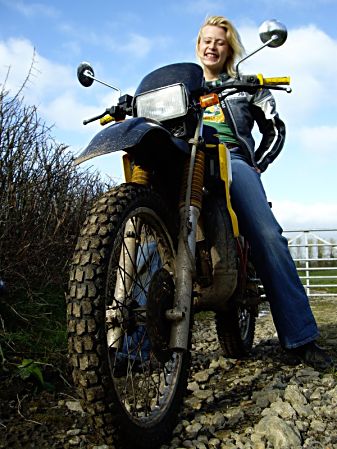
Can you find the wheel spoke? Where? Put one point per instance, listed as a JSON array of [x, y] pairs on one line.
[[117, 329], [146, 385]]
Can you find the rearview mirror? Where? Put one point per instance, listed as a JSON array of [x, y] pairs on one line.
[[273, 31], [85, 74]]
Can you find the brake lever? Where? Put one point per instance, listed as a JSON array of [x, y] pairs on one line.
[[285, 89], [89, 120]]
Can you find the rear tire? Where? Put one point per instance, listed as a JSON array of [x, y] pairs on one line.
[[236, 329], [129, 386]]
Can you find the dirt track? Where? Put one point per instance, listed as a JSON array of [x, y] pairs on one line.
[[229, 405]]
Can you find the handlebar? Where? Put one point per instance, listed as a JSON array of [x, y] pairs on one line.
[[259, 79], [246, 83], [97, 117], [251, 83], [114, 113]]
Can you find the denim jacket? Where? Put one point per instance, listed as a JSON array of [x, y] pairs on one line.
[[241, 110]]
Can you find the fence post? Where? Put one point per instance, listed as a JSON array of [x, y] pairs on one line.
[[307, 263], [316, 278]]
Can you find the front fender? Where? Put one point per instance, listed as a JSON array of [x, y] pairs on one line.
[[128, 136]]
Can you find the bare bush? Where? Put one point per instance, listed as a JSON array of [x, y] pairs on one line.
[[43, 198]]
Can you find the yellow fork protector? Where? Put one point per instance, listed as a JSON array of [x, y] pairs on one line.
[[226, 176], [127, 168], [135, 173]]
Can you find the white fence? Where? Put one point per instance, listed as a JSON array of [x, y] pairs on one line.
[[315, 254]]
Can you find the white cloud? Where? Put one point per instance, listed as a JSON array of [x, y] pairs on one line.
[[134, 44], [295, 215], [81, 35], [66, 112], [52, 87], [47, 78], [15, 55], [319, 138], [309, 56], [32, 9], [138, 46]]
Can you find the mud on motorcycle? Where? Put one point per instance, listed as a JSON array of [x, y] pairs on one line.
[[155, 250]]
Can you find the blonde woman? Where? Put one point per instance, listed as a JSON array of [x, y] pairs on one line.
[[218, 49]]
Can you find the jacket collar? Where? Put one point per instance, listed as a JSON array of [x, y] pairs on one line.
[[215, 83]]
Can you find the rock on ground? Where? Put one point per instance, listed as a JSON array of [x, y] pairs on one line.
[[265, 401]]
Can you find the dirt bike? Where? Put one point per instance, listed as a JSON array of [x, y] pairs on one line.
[[155, 250]]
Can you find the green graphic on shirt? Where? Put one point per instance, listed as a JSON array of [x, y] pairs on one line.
[[214, 116]]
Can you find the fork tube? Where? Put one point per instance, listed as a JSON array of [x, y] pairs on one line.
[[124, 280], [189, 215], [127, 261]]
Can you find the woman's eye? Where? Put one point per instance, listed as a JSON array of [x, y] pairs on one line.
[[215, 42]]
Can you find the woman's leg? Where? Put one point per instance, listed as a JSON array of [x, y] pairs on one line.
[[289, 303]]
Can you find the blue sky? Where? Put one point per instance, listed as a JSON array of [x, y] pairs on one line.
[[126, 40]]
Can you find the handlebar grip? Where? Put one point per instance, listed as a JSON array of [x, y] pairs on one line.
[[276, 80], [106, 119]]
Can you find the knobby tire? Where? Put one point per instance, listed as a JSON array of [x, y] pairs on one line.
[[132, 392], [236, 329]]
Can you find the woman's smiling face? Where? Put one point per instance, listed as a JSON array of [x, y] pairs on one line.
[[213, 50]]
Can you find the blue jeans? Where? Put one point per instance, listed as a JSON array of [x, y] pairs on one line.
[[289, 304]]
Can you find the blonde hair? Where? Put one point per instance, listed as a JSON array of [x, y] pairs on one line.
[[236, 49]]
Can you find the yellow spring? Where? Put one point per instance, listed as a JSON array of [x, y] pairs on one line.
[[140, 176], [197, 181]]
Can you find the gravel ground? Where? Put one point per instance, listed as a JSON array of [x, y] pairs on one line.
[[266, 401]]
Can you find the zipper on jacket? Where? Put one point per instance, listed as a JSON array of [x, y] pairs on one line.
[[232, 121]]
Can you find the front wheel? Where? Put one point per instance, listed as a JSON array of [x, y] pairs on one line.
[[122, 283]]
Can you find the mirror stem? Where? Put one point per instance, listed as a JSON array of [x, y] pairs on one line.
[[89, 75], [273, 38]]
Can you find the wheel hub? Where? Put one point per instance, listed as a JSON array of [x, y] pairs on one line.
[[160, 299]]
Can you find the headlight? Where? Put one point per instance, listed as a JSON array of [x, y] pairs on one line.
[[163, 104]]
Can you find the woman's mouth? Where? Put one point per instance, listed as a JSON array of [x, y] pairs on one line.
[[211, 56]]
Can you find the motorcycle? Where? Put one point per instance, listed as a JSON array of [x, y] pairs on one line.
[[157, 249]]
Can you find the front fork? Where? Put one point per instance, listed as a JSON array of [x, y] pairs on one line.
[[117, 312], [181, 313], [124, 282], [190, 206], [185, 267]]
